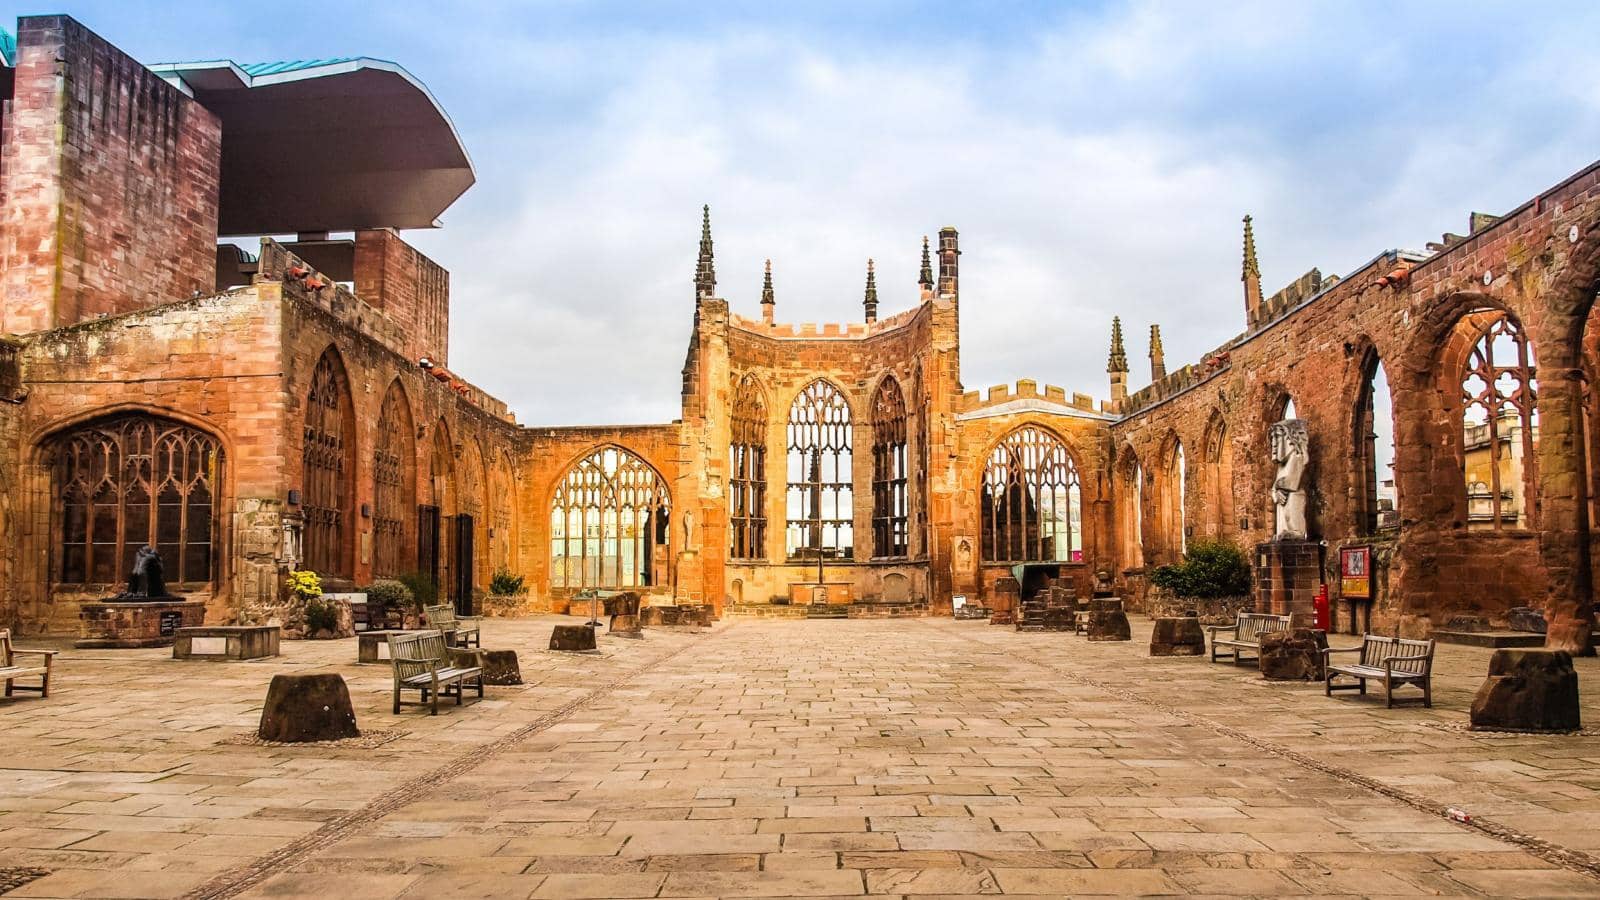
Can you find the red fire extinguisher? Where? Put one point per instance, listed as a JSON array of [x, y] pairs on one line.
[[1320, 609]]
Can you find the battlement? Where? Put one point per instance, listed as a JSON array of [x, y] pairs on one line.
[[1292, 295], [1215, 363], [825, 330], [1025, 389]]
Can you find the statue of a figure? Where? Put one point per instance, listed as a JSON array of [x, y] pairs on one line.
[[688, 529], [1289, 451], [148, 579]]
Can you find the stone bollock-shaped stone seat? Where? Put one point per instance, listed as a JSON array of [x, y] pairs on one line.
[[1292, 655], [305, 708], [1177, 636], [1108, 621], [572, 638], [1528, 690]]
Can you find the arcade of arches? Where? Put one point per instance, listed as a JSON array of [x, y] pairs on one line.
[[1448, 397]]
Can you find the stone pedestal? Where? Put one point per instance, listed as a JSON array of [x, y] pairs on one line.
[[626, 626], [1288, 575], [499, 666], [1293, 655], [572, 637], [303, 708], [1528, 690], [127, 625], [1177, 636], [623, 604], [1108, 621], [1004, 600], [236, 642]]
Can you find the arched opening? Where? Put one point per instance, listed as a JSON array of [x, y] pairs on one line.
[[1499, 422], [433, 538], [1031, 501], [1130, 510], [1377, 507], [394, 486], [327, 469], [1175, 501], [503, 500], [890, 525], [820, 500], [1219, 477], [747, 468], [609, 523], [132, 480]]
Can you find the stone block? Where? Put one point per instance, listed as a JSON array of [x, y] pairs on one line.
[[1293, 655], [572, 638], [238, 642], [1108, 621], [1526, 618], [1528, 690], [304, 708], [1177, 636], [626, 626], [500, 666]]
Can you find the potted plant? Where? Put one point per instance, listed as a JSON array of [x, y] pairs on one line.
[[320, 616]]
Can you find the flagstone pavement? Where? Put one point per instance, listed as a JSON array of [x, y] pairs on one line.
[[792, 758]]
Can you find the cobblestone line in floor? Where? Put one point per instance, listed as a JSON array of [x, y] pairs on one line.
[[241, 878], [1567, 858]]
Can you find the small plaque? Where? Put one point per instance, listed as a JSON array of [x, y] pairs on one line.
[[170, 622], [208, 646]]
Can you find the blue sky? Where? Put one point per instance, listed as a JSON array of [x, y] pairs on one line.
[[1097, 159]]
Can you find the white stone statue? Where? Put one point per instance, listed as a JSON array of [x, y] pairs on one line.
[[1289, 451]]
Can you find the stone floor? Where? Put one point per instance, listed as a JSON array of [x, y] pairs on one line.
[[904, 757]]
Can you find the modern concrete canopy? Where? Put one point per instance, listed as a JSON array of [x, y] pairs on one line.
[[327, 145]]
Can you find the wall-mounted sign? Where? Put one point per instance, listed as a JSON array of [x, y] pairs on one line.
[[1355, 573], [169, 623]]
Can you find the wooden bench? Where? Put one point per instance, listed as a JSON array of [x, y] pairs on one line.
[[1246, 632], [1394, 661], [465, 628], [420, 661], [11, 670]]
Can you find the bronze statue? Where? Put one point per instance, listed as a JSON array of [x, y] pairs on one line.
[[148, 581]]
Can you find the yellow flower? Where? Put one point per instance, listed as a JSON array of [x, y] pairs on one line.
[[305, 583]]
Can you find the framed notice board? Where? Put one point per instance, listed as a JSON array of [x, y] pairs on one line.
[[1355, 573]]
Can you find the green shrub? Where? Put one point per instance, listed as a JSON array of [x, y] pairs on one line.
[[1210, 568], [322, 614], [505, 584], [424, 590], [386, 593]]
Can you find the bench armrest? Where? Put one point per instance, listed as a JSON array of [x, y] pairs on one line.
[[1328, 650], [18, 651]]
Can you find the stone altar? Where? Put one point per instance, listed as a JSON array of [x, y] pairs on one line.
[[236, 642]]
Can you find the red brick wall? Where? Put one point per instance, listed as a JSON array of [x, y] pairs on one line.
[[111, 180], [409, 288]]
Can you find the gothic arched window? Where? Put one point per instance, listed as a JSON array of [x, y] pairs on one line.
[[821, 493], [608, 516], [134, 480], [890, 525], [1219, 477], [1032, 506], [394, 485], [747, 479], [1500, 423], [327, 466]]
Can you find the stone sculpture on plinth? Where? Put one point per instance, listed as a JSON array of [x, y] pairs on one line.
[[146, 614], [147, 583], [1289, 567], [1290, 450]]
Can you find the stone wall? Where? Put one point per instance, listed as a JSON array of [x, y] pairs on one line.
[[110, 180]]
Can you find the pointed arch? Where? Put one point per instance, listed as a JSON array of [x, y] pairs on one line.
[[503, 522], [1173, 500], [327, 470], [394, 486], [1031, 500], [1130, 508], [891, 536], [1498, 406], [1376, 504], [820, 500], [1218, 476], [747, 472], [609, 515]]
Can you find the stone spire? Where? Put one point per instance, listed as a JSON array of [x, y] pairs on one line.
[[1158, 356], [925, 277], [1117, 366], [1251, 276], [870, 300], [767, 301], [705, 272]]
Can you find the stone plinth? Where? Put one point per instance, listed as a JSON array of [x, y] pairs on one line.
[[1528, 690], [126, 625], [1177, 636], [676, 616], [1004, 601], [227, 642], [1288, 574], [499, 666], [373, 646], [623, 604], [625, 626], [572, 638], [1108, 621], [304, 708], [1293, 655]]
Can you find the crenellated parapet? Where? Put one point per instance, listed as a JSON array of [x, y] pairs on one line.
[[1027, 395]]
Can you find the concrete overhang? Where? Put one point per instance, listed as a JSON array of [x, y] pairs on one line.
[[327, 145]]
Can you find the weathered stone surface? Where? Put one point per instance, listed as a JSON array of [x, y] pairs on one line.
[[303, 708], [1526, 618], [1528, 690], [623, 604], [1293, 655], [1177, 636], [625, 626], [572, 637], [499, 666], [238, 642], [139, 624], [1107, 621]]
